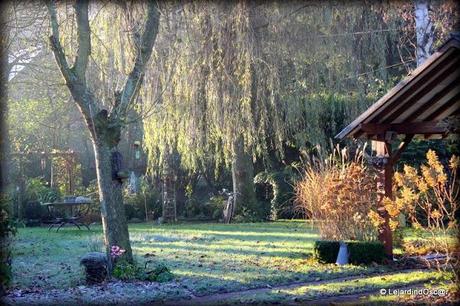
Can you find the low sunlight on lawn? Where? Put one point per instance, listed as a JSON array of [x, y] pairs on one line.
[[205, 258]]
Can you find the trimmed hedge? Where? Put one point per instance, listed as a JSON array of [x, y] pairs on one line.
[[365, 252], [360, 252], [326, 251]]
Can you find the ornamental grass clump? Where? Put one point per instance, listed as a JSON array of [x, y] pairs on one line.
[[340, 192]]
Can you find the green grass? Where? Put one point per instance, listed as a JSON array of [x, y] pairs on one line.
[[334, 288], [206, 258], [411, 234]]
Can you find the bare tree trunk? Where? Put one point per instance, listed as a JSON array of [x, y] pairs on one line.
[[424, 30], [111, 197], [243, 181]]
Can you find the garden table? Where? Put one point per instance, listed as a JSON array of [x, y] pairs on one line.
[[75, 210]]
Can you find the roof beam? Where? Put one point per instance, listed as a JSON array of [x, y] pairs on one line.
[[447, 109], [453, 87], [392, 113], [430, 127], [404, 89]]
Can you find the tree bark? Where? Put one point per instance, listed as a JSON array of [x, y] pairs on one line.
[[245, 202], [114, 221], [424, 31], [169, 197]]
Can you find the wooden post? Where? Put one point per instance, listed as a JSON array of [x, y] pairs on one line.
[[385, 162], [384, 166]]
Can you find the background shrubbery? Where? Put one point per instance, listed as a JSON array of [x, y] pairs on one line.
[[136, 204], [7, 230], [209, 208]]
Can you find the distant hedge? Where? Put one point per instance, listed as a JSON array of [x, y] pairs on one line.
[[360, 252]]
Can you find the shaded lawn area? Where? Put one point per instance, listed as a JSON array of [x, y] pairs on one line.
[[205, 258]]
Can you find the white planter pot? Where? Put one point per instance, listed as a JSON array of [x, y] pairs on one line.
[[342, 257]]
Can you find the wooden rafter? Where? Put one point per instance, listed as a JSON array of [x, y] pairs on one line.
[[428, 83], [430, 127]]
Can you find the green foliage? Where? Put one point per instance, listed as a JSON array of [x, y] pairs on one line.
[[131, 271], [26, 118], [125, 270], [205, 208], [281, 183], [160, 274], [365, 252], [216, 206], [7, 230], [415, 153], [135, 203], [398, 237], [360, 252], [252, 214], [34, 211], [92, 191], [325, 251], [37, 190]]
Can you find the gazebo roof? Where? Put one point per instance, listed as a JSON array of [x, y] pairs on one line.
[[418, 105]]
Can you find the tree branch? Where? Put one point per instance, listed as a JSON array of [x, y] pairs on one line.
[[56, 46], [84, 39], [84, 99], [144, 52]]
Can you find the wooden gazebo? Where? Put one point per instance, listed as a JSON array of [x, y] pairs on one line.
[[425, 104]]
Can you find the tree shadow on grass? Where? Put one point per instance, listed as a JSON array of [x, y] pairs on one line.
[[205, 279], [227, 251]]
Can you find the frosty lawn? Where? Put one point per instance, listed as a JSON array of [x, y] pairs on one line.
[[206, 258]]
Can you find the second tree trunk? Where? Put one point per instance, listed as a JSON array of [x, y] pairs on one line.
[[245, 203]]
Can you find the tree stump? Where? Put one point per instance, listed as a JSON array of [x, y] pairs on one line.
[[96, 265]]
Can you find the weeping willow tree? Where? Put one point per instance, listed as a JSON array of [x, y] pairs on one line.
[[246, 78], [210, 110]]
